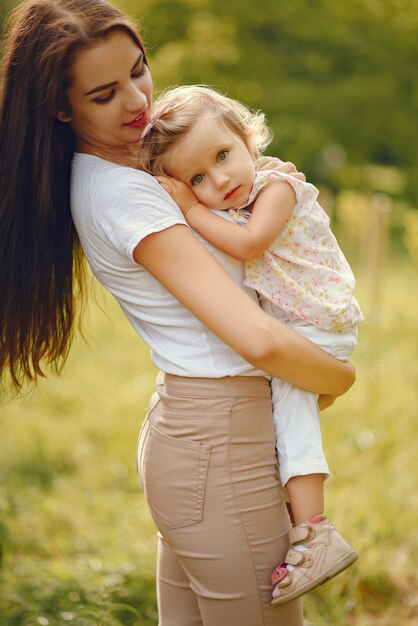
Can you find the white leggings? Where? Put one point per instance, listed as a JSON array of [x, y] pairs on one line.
[[296, 413]]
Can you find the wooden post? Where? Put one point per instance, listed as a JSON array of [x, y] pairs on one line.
[[381, 206]]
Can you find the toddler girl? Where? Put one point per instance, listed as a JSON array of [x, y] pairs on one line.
[[208, 143]]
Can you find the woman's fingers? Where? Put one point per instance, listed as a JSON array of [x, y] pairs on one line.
[[266, 162], [286, 167]]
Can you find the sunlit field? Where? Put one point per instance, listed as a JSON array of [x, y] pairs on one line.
[[336, 81], [78, 544]]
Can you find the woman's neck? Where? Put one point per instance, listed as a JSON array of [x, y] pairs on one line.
[[127, 156]]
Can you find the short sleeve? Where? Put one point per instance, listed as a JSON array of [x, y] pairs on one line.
[[306, 193], [132, 205]]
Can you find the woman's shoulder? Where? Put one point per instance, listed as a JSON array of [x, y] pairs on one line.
[[99, 186], [93, 174], [120, 204]]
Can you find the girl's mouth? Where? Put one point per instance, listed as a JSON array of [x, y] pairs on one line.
[[231, 193], [139, 122]]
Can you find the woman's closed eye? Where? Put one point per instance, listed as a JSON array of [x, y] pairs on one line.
[[104, 99], [137, 73], [139, 70], [197, 179]]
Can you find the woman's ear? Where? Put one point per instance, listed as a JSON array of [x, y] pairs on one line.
[[62, 117]]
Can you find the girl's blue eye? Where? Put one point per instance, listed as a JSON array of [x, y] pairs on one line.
[[197, 179], [221, 155]]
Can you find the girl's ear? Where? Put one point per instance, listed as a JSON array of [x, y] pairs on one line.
[[62, 117]]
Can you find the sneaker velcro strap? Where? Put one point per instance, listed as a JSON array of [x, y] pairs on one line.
[[301, 533], [307, 559], [294, 557], [286, 581]]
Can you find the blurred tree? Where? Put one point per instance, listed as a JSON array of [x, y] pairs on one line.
[[327, 74], [338, 81], [5, 7]]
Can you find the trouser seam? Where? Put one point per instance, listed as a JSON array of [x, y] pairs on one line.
[[217, 396], [240, 516]]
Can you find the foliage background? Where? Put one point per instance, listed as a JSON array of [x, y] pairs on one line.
[[339, 84]]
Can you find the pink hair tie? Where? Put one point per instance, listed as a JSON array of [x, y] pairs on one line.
[[152, 121]]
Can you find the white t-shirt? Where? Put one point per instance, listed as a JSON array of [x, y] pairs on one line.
[[114, 208]]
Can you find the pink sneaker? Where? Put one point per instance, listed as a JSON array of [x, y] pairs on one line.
[[316, 554]]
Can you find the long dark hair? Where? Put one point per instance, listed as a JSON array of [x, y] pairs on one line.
[[41, 262]]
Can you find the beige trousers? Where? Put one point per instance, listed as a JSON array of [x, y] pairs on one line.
[[207, 466]]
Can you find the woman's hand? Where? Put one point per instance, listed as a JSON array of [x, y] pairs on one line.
[[325, 401], [273, 163], [350, 375], [177, 259], [182, 195]]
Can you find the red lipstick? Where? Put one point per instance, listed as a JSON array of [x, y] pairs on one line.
[[139, 122]]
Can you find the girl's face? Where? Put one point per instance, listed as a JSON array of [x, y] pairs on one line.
[[215, 163], [110, 95]]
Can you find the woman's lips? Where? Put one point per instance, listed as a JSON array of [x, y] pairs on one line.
[[231, 193], [139, 122]]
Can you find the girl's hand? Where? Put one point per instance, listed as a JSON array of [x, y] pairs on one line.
[[273, 163], [182, 195]]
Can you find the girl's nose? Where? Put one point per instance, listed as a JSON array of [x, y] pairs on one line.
[[220, 179]]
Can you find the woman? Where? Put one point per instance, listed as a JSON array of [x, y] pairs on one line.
[[77, 96]]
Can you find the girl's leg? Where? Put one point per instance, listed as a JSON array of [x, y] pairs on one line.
[[306, 496], [302, 462], [303, 467], [317, 552]]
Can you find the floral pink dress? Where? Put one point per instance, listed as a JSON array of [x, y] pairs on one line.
[[304, 271]]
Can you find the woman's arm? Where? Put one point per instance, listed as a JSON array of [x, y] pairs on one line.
[[270, 212], [183, 265]]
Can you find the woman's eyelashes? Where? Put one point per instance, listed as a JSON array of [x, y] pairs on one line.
[[137, 73], [104, 99], [140, 71]]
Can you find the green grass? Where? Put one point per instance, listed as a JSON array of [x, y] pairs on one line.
[[78, 544]]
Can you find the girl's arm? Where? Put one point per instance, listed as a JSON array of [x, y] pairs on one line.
[[186, 268], [270, 212]]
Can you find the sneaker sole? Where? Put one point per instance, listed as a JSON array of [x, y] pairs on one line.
[[336, 569]]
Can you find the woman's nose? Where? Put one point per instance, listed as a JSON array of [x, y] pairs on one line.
[[136, 100]]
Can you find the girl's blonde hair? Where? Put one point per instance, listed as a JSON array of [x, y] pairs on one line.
[[178, 109]]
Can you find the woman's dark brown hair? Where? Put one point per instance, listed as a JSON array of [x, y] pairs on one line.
[[41, 263]]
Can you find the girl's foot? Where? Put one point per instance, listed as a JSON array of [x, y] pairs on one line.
[[317, 553]]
